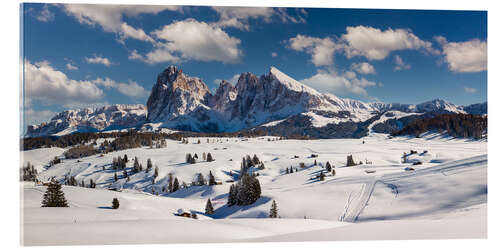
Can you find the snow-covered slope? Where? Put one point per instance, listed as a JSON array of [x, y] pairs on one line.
[[448, 188]]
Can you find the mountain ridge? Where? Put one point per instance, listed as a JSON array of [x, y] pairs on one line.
[[181, 102]]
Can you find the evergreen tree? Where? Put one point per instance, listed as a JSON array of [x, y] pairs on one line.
[[176, 185], [156, 172], [125, 174], [209, 157], [291, 170], [115, 204], [170, 186], [333, 172], [350, 161], [149, 164], [125, 158], [328, 166], [200, 181], [211, 179], [233, 192], [205, 155], [195, 156], [116, 177], [315, 163], [273, 212], [54, 196], [287, 171], [209, 209], [248, 190]]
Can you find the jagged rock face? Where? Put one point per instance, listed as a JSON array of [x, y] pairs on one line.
[[92, 119], [270, 101], [175, 94]]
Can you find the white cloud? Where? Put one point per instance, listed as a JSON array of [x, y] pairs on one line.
[[110, 17], [70, 66], [320, 49], [193, 40], [343, 84], [400, 64], [375, 44], [36, 117], [98, 60], [45, 15], [363, 68], [238, 17], [42, 82], [469, 56], [158, 55], [274, 54], [470, 90], [131, 89]]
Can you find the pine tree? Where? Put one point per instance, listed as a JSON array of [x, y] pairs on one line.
[[209, 157], [321, 176], [211, 179], [170, 186], [315, 163], [125, 174], [291, 170], [115, 204], [125, 158], [201, 180], [205, 155], [248, 190], [116, 177], [209, 209], [350, 161], [328, 166], [149, 164], [273, 212], [231, 200], [176, 185], [156, 172], [54, 196], [287, 171], [333, 172]]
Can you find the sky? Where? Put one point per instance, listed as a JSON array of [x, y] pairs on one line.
[[77, 56]]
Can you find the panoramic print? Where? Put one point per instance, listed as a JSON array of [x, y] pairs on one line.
[[146, 124]]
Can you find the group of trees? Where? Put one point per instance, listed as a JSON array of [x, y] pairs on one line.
[[172, 184], [245, 192], [456, 125], [247, 162], [119, 162], [28, 173], [71, 181], [191, 159], [80, 151]]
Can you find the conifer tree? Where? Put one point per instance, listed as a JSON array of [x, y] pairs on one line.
[[315, 163], [209, 209], [176, 185], [125, 158], [211, 179], [321, 176], [328, 166], [156, 172], [125, 174], [209, 157], [149, 164], [200, 181], [170, 186], [350, 161], [116, 177], [333, 172], [115, 204], [287, 171], [54, 196], [205, 155], [273, 212]]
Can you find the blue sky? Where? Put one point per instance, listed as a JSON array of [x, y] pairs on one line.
[[90, 55]]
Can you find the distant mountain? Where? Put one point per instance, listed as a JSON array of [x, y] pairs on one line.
[[91, 120], [476, 109], [273, 102]]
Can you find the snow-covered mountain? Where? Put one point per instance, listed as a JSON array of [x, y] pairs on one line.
[[181, 102], [91, 120]]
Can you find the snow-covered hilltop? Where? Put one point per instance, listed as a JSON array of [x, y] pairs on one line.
[[91, 120], [272, 101]]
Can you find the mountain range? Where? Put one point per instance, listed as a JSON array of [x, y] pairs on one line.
[[274, 103]]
